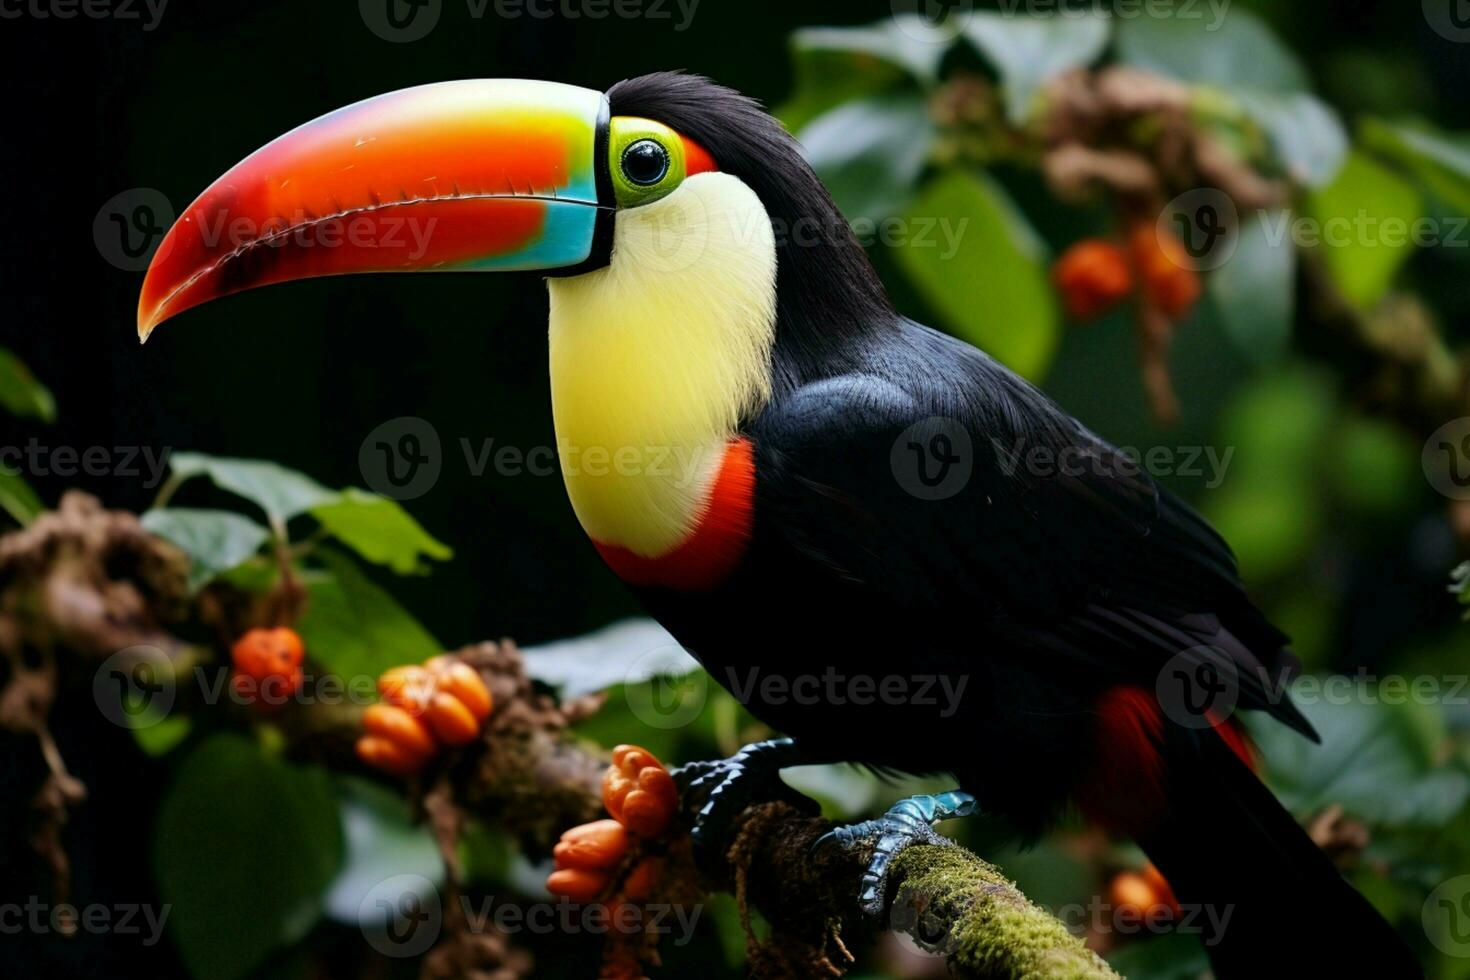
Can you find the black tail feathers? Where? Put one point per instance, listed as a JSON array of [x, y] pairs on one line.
[[1268, 902]]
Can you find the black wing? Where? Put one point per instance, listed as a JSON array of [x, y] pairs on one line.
[[938, 479]]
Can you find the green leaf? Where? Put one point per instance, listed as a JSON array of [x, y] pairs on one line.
[[905, 41], [280, 492], [1376, 467], [1306, 134], [1366, 217], [243, 847], [845, 792], [1027, 52], [1380, 756], [1174, 956], [1271, 524], [380, 530], [834, 65], [355, 629], [1270, 508], [1280, 422], [869, 153], [1211, 48], [1255, 292], [164, 735], [20, 393], [982, 270], [1460, 585], [16, 496], [1240, 56], [215, 540], [382, 841], [1439, 160], [626, 652]]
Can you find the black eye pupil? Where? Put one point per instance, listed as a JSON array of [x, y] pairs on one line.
[[645, 162]]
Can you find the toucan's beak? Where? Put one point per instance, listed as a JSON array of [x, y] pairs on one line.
[[456, 176]]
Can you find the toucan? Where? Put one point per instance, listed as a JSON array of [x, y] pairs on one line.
[[800, 482]]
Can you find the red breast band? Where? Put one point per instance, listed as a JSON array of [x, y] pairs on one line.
[[712, 550]]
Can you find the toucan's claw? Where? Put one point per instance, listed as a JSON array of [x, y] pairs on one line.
[[715, 792], [907, 822]]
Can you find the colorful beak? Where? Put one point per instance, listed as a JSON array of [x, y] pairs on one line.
[[457, 176]]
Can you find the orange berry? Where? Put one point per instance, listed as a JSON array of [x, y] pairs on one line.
[[648, 809], [598, 845], [1169, 281], [389, 756], [400, 727], [410, 687], [1131, 891], [1093, 276], [260, 651], [464, 682], [1161, 887], [577, 884], [639, 792], [451, 720], [267, 666]]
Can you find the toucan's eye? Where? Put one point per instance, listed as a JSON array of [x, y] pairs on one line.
[[645, 159], [645, 162]]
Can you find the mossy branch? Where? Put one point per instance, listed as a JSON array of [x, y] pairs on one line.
[[950, 901], [945, 898]]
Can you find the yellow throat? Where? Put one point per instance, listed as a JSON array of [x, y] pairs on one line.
[[657, 357]]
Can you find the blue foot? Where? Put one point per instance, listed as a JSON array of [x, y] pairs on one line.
[[906, 823]]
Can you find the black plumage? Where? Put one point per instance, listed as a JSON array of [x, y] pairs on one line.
[[1041, 590]]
